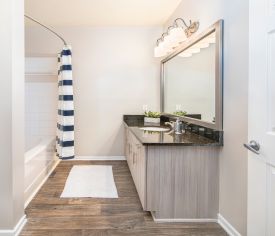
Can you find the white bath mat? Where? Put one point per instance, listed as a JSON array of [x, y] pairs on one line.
[[90, 181]]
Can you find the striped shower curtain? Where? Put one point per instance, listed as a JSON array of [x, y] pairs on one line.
[[65, 118]]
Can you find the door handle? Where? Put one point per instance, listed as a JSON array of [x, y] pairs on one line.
[[253, 146]]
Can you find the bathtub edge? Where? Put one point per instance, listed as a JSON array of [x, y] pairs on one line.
[[31, 195]]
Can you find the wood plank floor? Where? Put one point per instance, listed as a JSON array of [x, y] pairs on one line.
[[50, 215]]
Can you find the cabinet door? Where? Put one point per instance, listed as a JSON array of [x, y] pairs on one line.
[[140, 169], [128, 147], [133, 157], [129, 150], [126, 141], [129, 156], [136, 158]]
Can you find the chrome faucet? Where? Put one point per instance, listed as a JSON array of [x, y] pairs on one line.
[[171, 124], [176, 126]]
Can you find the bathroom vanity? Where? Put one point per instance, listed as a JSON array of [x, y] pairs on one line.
[[177, 175]]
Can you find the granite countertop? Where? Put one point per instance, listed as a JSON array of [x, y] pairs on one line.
[[189, 138]]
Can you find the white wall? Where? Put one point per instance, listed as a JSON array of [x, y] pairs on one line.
[[114, 74], [233, 157], [12, 114]]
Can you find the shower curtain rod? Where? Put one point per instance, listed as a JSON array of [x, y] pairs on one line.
[[46, 27]]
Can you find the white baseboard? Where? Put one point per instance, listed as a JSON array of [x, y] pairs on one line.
[[34, 192], [99, 158], [16, 230], [227, 226], [178, 220]]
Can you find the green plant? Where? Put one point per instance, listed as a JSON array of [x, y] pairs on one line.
[[152, 114], [180, 113]]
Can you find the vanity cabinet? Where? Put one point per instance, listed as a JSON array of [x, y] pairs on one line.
[[136, 159], [174, 181], [182, 182]]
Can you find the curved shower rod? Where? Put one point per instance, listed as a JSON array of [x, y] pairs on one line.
[[46, 27]]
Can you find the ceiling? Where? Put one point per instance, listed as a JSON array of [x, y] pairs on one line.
[[101, 12]]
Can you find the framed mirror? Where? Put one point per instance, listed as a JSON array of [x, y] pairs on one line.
[[192, 79]]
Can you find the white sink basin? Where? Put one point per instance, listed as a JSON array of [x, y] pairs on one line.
[[159, 129]]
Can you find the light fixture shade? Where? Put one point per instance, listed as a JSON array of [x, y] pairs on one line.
[[166, 44], [211, 40], [177, 34], [157, 51], [164, 48], [185, 54], [203, 44], [160, 50], [174, 36], [193, 50], [172, 41]]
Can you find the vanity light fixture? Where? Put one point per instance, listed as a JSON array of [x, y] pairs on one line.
[[163, 47], [171, 38], [196, 48], [205, 42], [185, 54], [175, 35], [193, 50]]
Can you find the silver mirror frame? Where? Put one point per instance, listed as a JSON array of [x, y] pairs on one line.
[[218, 29]]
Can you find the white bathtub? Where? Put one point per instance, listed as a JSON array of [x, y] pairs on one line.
[[40, 160]]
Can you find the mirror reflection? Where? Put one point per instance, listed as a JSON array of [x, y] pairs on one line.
[[190, 81]]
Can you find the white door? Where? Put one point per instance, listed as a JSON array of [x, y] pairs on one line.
[[261, 116]]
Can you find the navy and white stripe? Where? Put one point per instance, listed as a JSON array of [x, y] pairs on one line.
[[65, 120]]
